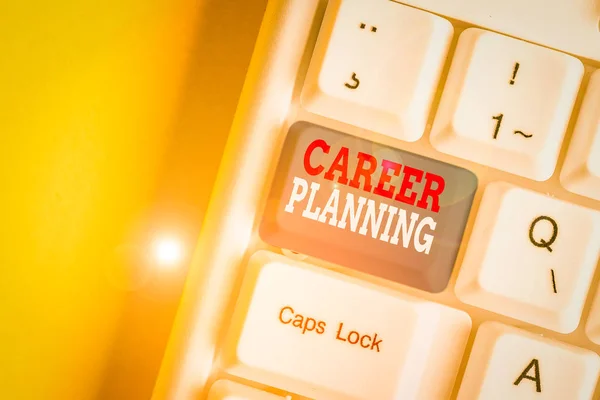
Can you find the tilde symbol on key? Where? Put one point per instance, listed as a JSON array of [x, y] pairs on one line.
[[545, 243]]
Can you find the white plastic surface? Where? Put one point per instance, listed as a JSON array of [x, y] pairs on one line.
[[567, 25], [506, 104], [530, 257], [314, 332], [592, 327], [376, 65], [581, 171], [509, 363]]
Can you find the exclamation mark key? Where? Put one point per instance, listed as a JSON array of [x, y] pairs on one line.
[[524, 94]]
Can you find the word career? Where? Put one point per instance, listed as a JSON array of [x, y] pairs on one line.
[[380, 219]]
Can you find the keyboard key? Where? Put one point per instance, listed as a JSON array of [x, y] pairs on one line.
[[530, 257], [581, 171], [569, 25], [376, 65], [592, 327], [509, 363], [362, 205], [322, 335], [228, 390], [506, 104]]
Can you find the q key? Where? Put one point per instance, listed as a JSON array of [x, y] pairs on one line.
[[530, 257], [540, 241]]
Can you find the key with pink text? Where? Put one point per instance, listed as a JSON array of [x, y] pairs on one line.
[[379, 210]]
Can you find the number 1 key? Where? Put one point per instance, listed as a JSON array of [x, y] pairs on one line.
[[506, 104]]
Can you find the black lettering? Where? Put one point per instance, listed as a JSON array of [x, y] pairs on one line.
[[544, 243], [525, 135], [536, 377], [514, 74], [497, 128], [355, 82]]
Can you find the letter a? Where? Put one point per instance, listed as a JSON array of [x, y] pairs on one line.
[[536, 378]]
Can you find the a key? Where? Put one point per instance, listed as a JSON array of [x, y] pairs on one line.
[[506, 104], [376, 65], [530, 257], [373, 208], [581, 171], [228, 390], [509, 363], [322, 335]]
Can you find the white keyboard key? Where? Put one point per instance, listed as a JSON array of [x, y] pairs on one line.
[[581, 171], [326, 336], [530, 257], [228, 390], [592, 327], [376, 65], [569, 25], [509, 363], [506, 104]]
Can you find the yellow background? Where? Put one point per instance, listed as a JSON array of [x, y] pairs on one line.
[[113, 117]]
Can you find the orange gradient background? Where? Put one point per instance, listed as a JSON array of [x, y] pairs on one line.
[[113, 119]]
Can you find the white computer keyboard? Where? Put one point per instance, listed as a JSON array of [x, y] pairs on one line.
[[409, 208]]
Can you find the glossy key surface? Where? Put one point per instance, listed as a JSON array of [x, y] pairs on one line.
[[531, 257], [506, 104], [581, 171], [318, 333], [366, 206], [510, 363], [377, 65]]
